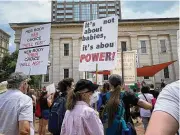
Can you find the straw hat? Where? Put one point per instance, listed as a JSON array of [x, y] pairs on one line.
[[3, 86]]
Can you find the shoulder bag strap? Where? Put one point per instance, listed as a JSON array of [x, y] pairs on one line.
[[145, 97]]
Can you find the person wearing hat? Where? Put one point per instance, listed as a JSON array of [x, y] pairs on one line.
[[80, 118], [16, 108]]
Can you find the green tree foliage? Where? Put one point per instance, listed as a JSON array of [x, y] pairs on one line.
[[8, 65]]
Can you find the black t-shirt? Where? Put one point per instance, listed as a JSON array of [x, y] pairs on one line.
[[129, 98], [44, 104]]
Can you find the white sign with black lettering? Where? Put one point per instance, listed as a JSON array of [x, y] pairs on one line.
[[99, 44]]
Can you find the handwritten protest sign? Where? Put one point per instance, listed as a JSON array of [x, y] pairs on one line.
[[35, 36], [99, 44], [33, 61], [130, 72]]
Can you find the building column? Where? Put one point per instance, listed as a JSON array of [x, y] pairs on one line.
[[174, 56], [75, 59], [155, 55], [55, 61]]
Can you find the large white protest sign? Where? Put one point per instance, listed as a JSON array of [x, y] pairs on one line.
[[33, 61], [130, 70], [35, 36], [99, 44]]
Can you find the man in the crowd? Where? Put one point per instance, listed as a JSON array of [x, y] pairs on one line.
[[16, 108], [165, 118]]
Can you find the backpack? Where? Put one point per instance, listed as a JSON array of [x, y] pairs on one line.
[[56, 115], [119, 126]]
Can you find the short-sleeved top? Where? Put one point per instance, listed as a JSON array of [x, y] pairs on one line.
[[149, 97], [14, 107], [82, 120], [168, 100]]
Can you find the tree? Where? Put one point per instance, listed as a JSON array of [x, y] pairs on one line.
[[8, 66]]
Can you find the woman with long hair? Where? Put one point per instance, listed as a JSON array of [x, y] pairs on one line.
[[80, 118], [59, 99], [117, 99]]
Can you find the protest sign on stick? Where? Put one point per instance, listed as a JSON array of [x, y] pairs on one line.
[[35, 36], [130, 70], [34, 50], [99, 44]]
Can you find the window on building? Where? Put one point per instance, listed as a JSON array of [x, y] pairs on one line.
[[60, 11], [61, 17], [166, 72], [76, 12], [53, 14], [146, 77], [123, 46], [111, 9], [102, 4], [60, 6], [163, 46], [66, 73], [102, 15], [85, 12], [66, 49], [69, 6], [105, 77], [68, 11], [46, 77], [94, 11], [111, 4], [143, 47], [68, 16], [102, 10]]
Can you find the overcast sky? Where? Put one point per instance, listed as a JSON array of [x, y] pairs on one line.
[[34, 11]]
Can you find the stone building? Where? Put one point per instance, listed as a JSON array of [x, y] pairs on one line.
[[4, 43], [154, 39]]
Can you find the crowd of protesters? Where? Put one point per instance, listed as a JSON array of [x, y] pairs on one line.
[[69, 111]]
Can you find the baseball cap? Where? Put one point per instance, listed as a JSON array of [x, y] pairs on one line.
[[115, 80], [85, 84], [17, 77]]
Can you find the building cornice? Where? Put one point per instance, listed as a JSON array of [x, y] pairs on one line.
[[122, 22], [5, 33]]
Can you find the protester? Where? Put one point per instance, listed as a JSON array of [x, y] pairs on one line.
[[58, 106], [145, 114], [118, 102], [165, 117], [80, 118], [16, 108], [154, 92], [44, 105]]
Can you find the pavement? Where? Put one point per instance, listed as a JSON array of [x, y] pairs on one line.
[[138, 126]]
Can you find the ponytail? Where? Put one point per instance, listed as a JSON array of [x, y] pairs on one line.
[[112, 104], [72, 99]]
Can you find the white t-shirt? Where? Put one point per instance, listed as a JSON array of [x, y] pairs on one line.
[[168, 100], [14, 107], [143, 112]]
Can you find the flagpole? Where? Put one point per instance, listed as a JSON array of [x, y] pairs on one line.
[[96, 82]]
